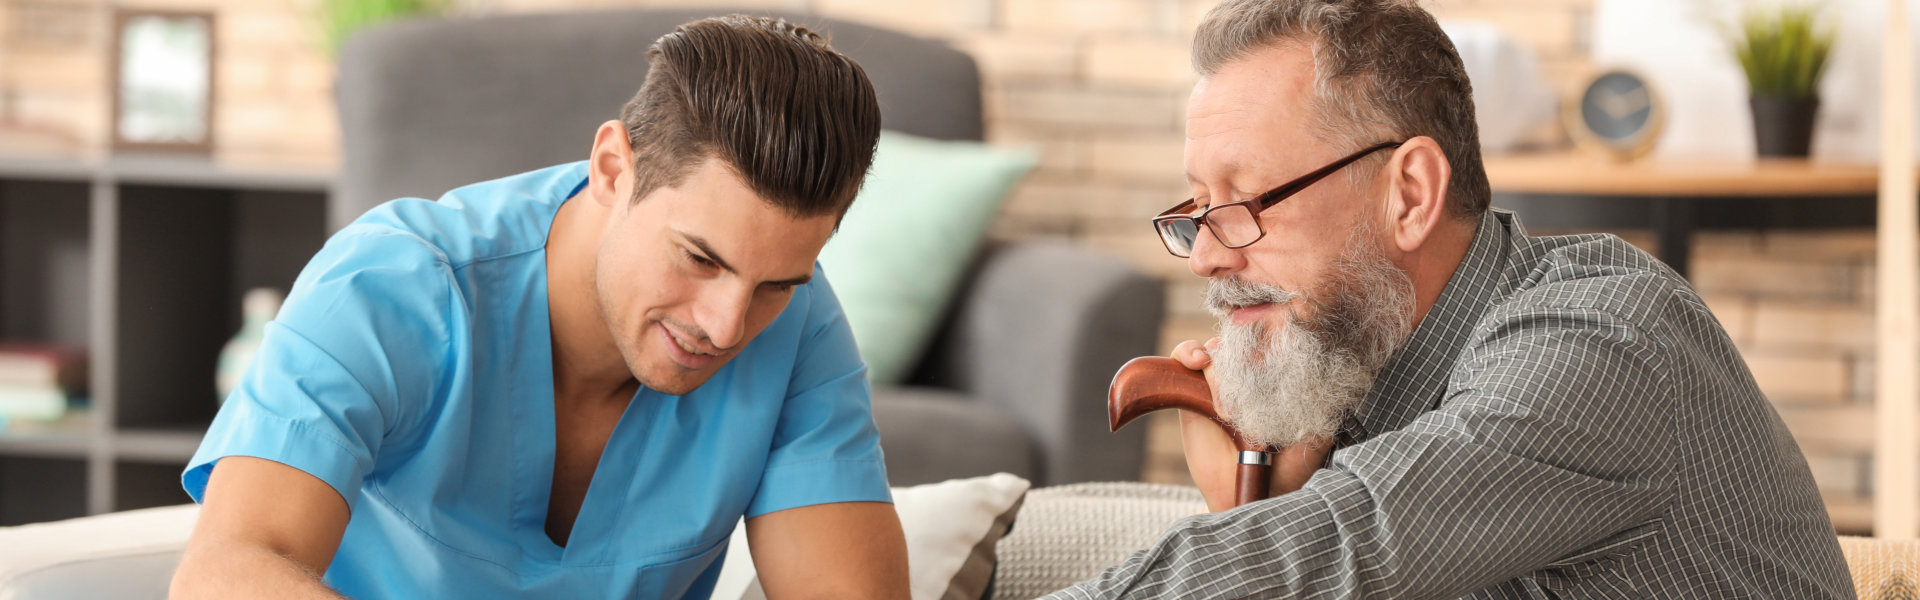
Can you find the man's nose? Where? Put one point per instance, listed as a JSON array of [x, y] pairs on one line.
[[724, 315], [1210, 258]]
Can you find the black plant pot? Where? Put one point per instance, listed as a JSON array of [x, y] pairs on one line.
[[1784, 126]]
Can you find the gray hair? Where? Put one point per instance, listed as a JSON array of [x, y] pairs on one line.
[[1384, 71]]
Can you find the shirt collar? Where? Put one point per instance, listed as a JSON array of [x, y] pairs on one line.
[[1412, 381]]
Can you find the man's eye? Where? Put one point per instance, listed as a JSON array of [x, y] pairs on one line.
[[699, 260]]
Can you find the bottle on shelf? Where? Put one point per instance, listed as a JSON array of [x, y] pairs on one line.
[[258, 307]]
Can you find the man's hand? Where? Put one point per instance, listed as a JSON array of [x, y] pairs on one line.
[[1212, 458], [267, 530], [840, 550]]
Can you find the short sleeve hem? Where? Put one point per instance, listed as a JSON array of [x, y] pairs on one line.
[[285, 441], [820, 482]]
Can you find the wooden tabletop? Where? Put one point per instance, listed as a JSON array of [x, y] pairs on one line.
[[1578, 174]]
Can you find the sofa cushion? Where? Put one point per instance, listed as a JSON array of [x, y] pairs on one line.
[[904, 247], [952, 530], [1070, 533], [1883, 569], [930, 435], [409, 93], [1067, 534]]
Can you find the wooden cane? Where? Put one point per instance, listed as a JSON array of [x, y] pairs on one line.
[[1153, 383]]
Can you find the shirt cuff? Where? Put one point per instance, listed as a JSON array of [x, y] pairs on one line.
[[820, 482], [292, 443]]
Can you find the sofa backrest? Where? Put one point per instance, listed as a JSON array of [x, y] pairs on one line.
[[429, 105]]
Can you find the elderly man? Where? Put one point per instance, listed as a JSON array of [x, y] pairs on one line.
[[1473, 411]]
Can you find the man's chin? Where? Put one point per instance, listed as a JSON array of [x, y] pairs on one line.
[[675, 380], [674, 386], [1259, 335]]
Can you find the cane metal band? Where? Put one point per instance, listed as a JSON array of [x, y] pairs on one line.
[[1255, 457]]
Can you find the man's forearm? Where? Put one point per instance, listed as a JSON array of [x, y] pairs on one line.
[[246, 573], [1247, 552], [837, 550], [1437, 532]]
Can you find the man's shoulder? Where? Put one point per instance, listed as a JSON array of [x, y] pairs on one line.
[[482, 221], [1592, 272]]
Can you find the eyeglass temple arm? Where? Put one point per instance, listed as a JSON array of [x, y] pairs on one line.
[[1274, 195]]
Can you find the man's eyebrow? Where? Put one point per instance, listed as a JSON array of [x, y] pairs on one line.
[[701, 243], [795, 282], [1227, 171]]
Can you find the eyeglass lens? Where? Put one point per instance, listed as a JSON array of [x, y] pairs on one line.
[[1233, 224], [1178, 234]]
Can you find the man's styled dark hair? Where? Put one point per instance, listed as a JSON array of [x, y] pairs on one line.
[[1385, 71], [794, 118]]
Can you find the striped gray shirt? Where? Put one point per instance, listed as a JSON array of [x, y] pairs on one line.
[[1568, 421]]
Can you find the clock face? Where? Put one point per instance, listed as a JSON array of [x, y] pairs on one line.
[[1617, 108]]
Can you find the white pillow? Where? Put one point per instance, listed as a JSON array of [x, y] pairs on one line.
[[952, 528]]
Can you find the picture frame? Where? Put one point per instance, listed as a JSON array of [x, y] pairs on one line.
[[164, 80]]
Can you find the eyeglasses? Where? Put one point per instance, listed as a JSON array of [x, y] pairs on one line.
[[1236, 224]]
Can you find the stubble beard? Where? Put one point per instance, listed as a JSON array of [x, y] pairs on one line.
[[1304, 378], [629, 339]]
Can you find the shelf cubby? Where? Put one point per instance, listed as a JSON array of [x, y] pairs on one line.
[[142, 261]]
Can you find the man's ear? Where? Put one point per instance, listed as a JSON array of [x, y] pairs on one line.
[[610, 175], [1417, 178]]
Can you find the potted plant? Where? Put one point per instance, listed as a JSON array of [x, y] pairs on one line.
[[340, 18], [1783, 51]]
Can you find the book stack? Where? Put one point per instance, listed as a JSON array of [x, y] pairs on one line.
[[36, 380]]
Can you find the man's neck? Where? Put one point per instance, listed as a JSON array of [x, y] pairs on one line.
[[586, 362], [1433, 266]]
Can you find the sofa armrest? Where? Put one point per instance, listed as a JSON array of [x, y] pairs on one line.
[[120, 555], [1038, 333]]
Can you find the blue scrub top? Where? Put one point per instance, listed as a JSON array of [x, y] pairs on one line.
[[411, 369]]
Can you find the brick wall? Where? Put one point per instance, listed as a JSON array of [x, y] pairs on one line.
[[1800, 306], [1101, 86]]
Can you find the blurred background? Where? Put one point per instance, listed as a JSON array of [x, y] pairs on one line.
[[1098, 87]]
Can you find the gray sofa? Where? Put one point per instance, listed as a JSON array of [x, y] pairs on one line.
[[1015, 380]]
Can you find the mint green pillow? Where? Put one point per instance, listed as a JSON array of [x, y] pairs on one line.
[[907, 241]]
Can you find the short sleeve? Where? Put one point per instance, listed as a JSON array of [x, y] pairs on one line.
[[354, 354], [825, 448]]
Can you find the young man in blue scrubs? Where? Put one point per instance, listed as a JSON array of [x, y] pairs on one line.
[[572, 383]]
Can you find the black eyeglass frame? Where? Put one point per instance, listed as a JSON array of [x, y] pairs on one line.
[[1163, 223]]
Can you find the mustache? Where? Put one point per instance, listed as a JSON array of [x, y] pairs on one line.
[[1226, 294]]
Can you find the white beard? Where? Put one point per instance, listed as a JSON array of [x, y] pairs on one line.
[[1303, 380]]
